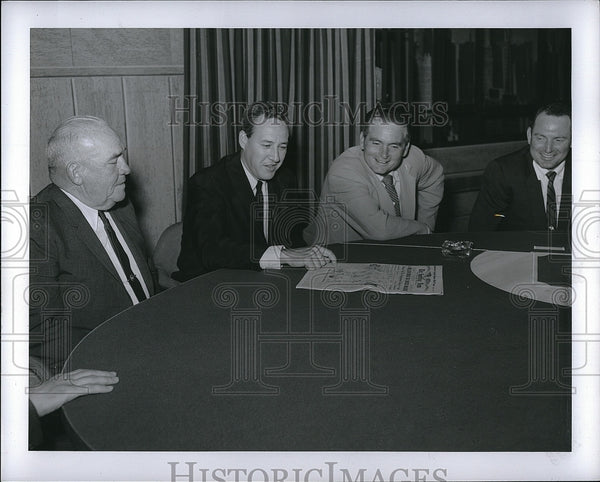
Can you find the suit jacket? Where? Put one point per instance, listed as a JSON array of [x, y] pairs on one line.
[[511, 188], [218, 228], [355, 205], [73, 284]]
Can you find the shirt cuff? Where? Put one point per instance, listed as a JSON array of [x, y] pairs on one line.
[[271, 258]]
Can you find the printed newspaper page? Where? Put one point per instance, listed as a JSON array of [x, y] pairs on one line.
[[384, 278]]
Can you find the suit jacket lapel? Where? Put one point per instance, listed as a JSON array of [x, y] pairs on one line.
[[534, 193], [385, 201], [408, 196], [242, 195], [566, 201], [83, 230]]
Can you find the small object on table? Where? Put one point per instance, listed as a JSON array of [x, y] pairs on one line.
[[549, 248], [457, 249]]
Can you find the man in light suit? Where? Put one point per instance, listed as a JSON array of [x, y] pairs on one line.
[[233, 217], [385, 188], [87, 257], [530, 190]]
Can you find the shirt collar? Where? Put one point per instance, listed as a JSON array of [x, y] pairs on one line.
[[90, 214], [393, 173], [251, 179], [541, 172]]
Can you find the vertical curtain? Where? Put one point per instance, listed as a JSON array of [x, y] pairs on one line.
[[324, 78]]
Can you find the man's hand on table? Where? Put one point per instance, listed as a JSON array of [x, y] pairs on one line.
[[312, 257], [55, 392]]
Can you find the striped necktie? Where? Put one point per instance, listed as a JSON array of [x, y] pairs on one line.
[[388, 182], [123, 258], [551, 201]]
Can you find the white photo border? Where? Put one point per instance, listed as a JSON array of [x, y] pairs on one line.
[[18, 17]]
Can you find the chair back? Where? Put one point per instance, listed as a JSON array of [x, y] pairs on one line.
[[166, 253]]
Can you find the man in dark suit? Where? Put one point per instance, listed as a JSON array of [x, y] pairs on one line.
[[87, 257], [530, 190], [232, 218]]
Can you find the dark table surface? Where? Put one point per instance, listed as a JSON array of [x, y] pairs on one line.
[[242, 360]]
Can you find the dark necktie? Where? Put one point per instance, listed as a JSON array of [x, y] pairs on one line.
[[123, 258], [259, 223], [388, 181], [551, 200]]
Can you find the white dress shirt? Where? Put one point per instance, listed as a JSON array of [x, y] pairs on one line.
[[271, 258], [91, 216], [540, 173]]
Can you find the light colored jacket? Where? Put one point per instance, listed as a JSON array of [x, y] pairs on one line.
[[354, 204]]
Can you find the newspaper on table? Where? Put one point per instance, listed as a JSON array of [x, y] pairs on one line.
[[384, 278]]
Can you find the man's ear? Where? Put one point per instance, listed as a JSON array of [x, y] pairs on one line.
[[73, 171], [529, 135], [242, 139], [406, 149]]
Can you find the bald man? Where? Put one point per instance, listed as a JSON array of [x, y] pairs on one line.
[[87, 254]]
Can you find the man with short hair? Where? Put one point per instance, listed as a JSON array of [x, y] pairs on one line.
[[530, 190], [384, 188], [232, 217], [87, 254]]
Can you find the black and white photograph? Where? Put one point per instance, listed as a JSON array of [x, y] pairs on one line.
[[300, 241]]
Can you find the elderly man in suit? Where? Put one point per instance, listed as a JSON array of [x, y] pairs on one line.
[[87, 257], [385, 188], [530, 190], [233, 217]]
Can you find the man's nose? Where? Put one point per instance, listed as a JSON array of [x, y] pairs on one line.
[[548, 147], [385, 151], [274, 153], [123, 166]]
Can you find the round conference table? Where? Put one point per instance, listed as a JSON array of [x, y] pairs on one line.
[[239, 360]]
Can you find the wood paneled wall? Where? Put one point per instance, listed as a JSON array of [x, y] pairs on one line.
[[124, 76]]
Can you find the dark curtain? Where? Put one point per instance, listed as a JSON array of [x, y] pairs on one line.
[[322, 77]]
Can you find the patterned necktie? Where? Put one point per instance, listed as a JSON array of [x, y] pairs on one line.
[[123, 258], [551, 201], [259, 223], [388, 181]]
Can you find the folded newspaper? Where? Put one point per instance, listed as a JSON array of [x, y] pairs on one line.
[[384, 278]]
